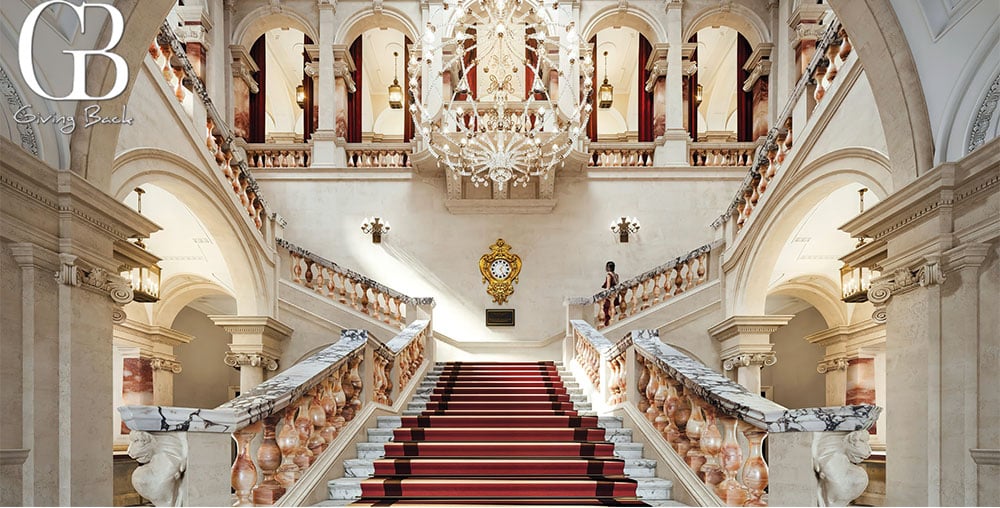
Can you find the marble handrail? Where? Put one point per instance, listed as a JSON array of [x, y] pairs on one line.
[[267, 398], [649, 288], [219, 139], [403, 354], [768, 158], [363, 294], [603, 363]]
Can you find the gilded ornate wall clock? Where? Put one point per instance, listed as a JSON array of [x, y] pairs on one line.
[[500, 268]]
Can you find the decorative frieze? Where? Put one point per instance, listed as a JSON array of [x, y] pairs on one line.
[[239, 360], [984, 116]]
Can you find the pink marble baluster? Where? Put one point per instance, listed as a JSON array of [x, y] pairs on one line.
[[269, 459], [244, 472], [288, 442]]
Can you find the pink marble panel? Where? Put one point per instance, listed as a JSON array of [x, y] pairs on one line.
[[340, 101], [241, 114], [861, 382], [660, 107], [760, 108], [137, 383]]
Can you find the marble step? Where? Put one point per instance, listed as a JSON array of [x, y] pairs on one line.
[[612, 435], [376, 450], [394, 422], [648, 488], [363, 468]]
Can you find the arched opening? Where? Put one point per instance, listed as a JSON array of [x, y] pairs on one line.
[[283, 110], [620, 54], [373, 114], [719, 110]]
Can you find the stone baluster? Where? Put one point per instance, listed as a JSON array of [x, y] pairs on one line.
[[641, 383], [303, 425], [317, 444], [651, 389], [244, 472], [711, 445], [755, 472], [695, 458], [730, 490], [269, 459], [819, 75]]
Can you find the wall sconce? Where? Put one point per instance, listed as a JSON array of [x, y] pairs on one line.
[[139, 266], [606, 94], [300, 96], [376, 227], [625, 226], [395, 91], [699, 94]]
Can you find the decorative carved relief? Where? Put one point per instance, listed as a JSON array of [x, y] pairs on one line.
[[747, 359], [97, 280], [900, 281], [835, 459], [163, 459], [984, 116], [831, 365], [250, 360], [165, 364], [26, 131]]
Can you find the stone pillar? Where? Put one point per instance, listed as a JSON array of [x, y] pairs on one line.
[[243, 85], [746, 346], [193, 32], [257, 345], [332, 125], [155, 344], [656, 83], [804, 22], [673, 151], [759, 67]]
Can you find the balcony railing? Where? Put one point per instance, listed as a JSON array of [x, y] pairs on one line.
[[831, 55], [715, 428], [721, 154], [621, 155], [379, 155], [279, 155]]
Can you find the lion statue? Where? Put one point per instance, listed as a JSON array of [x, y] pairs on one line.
[[163, 459], [835, 459]]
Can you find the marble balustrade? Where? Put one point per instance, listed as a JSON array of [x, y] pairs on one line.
[[403, 355], [721, 154], [348, 288], [649, 289], [715, 426], [379, 155], [620, 155], [180, 77], [829, 58], [279, 155]]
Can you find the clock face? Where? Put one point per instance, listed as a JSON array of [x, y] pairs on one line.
[[500, 268]]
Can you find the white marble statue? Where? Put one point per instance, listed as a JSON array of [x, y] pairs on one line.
[[163, 459], [835, 459]]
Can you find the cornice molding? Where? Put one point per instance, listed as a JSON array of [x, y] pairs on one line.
[[741, 325]]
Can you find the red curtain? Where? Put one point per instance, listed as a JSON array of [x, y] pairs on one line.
[[744, 100], [258, 101], [354, 101], [592, 123], [308, 111], [407, 116], [470, 55], [645, 98], [692, 89]]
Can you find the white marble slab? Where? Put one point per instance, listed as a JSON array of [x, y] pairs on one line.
[[735, 400], [403, 339], [265, 399]]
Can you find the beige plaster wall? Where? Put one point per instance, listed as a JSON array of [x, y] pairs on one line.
[[989, 372], [10, 345], [205, 380], [794, 378], [431, 252]]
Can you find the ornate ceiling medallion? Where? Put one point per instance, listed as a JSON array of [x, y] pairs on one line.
[[515, 89]]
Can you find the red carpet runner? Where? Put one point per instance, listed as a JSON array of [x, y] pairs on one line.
[[499, 434]]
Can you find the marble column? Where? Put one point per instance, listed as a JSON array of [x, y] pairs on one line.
[[256, 347], [332, 108], [835, 370], [674, 150], [746, 346]]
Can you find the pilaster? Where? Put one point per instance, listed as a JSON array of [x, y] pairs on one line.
[[257, 345], [746, 346], [675, 138]]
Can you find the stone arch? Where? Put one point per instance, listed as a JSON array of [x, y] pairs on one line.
[[206, 199], [92, 150], [878, 38], [967, 103], [634, 18], [259, 21], [793, 199], [367, 19], [742, 19], [177, 292], [819, 293]]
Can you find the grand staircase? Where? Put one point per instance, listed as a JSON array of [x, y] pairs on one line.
[[499, 434]]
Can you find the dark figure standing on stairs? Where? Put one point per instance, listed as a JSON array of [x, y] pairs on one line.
[[610, 281]]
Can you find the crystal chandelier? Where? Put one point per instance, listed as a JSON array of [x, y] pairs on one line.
[[520, 90]]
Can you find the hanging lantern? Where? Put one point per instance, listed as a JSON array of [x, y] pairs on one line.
[[699, 94], [606, 94], [395, 91], [855, 282], [139, 266], [300, 96]]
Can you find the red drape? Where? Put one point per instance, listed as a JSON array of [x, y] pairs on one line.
[[258, 101], [744, 100], [692, 90], [354, 102], [645, 98], [407, 116], [470, 55], [308, 111], [592, 123]]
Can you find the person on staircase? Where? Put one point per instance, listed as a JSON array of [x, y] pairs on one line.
[[610, 281]]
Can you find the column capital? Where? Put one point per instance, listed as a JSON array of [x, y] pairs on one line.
[[747, 325], [903, 280], [261, 337], [746, 359], [674, 4], [195, 24], [250, 359], [244, 66], [165, 364], [832, 364]]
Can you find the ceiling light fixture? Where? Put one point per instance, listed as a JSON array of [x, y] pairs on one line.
[[395, 91], [606, 95]]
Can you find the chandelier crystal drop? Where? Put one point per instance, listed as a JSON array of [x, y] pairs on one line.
[[519, 96]]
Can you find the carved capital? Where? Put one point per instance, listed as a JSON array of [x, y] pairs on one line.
[[832, 365], [765, 359], [97, 280], [901, 281], [239, 360], [172, 366]]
